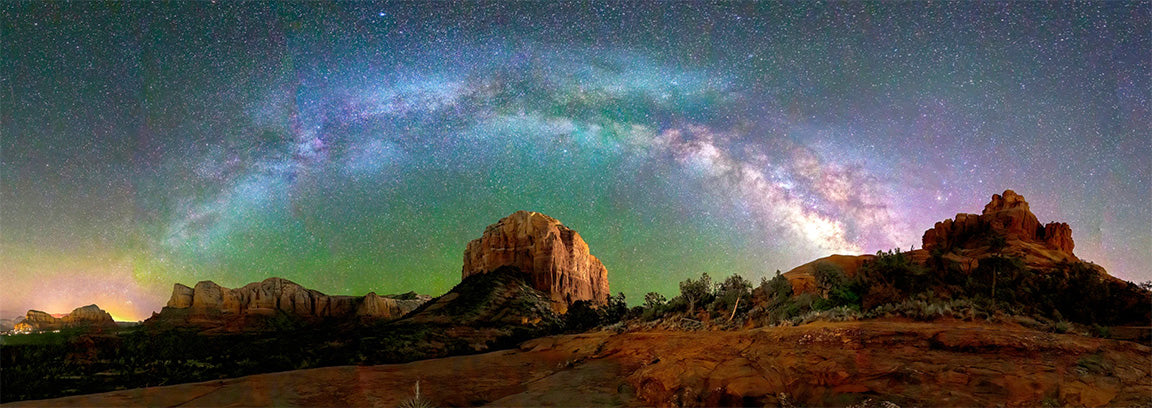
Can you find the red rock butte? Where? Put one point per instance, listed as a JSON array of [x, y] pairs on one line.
[[966, 239], [554, 258], [1007, 215]]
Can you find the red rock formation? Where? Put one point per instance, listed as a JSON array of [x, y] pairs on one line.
[[1059, 235], [555, 258], [965, 239], [210, 304], [1006, 215], [86, 316]]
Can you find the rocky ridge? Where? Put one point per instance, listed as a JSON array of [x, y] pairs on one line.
[[90, 316], [555, 259], [211, 305]]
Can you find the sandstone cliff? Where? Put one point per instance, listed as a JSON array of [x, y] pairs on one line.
[[209, 304], [555, 258], [90, 316]]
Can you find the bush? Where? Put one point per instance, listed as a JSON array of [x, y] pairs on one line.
[[836, 289], [583, 315], [654, 300], [776, 288]]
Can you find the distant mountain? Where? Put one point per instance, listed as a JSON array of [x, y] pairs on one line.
[[90, 316], [6, 325]]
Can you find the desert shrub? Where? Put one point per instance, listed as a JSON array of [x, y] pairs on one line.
[[1001, 279], [583, 315], [836, 314], [836, 288], [654, 300], [655, 306], [776, 288], [1103, 332], [924, 308], [616, 309], [895, 269]]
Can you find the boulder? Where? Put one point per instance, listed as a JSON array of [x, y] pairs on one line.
[[554, 258]]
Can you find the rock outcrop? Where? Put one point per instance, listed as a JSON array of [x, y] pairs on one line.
[[90, 316], [1006, 215], [555, 258], [209, 304]]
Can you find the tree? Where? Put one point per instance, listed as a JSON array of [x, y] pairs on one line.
[[654, 300], [696, 291], [996, 243], [730, 292], [616, 309], [778, 287]]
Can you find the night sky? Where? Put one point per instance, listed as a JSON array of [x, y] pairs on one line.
[[358, 147]]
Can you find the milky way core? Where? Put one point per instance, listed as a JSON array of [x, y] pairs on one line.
[[358, 147]]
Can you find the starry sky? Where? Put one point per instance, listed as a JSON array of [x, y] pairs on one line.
[[355, 147]]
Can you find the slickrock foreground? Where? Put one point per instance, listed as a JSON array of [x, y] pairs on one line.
[[821, 364]]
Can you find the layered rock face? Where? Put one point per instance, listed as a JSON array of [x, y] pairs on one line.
[[88, 316], [1007, 215], [208, 302], [554, 258]]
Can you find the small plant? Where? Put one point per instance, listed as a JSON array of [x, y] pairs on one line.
[[417, 401], [1103, 332], [1060, 326]]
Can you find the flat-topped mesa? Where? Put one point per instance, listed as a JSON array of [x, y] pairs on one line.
[[90, 316], [554, 258], [1006, 215], [208, 302]]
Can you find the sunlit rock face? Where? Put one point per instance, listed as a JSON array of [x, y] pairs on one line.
[[554, 258], [209, 304]]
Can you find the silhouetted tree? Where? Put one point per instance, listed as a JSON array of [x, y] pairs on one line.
[[696, 291]]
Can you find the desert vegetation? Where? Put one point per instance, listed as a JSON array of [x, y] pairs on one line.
[[892, 285]]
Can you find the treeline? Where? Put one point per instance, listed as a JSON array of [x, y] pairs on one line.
[[892, 284]]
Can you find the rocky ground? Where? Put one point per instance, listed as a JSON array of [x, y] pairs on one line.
[[943, 363]]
